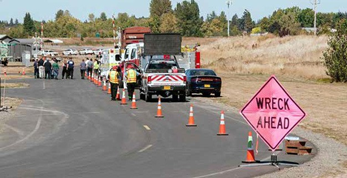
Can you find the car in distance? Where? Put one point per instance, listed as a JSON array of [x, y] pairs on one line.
[[203, 81], [70, 52], [86, 51], [48, 53]]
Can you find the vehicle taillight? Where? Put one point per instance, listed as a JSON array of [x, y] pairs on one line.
[[184, 78], [149, 79], [217, 80]]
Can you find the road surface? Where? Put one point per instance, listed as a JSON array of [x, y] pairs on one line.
[[71, 129]]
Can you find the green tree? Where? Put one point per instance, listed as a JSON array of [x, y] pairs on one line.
[[306, 17], [168, 23], [247, 23], [59, 14], [28, 25], [189, 21], [91, 17], [103, 16], [157, 9], [335, 56], [264, 24]]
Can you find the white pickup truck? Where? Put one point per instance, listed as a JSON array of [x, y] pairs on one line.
[[158, 78]]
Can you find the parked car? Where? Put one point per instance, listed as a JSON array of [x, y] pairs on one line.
[[97, 52], [48, 53], [86, 51], [203, 81], [70, 52]]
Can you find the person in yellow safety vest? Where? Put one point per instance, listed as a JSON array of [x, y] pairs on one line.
[[96, 67], [114, 80], [131, 76]]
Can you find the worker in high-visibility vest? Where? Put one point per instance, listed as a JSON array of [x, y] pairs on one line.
[[114, 79], [131, 76], [96, 67]]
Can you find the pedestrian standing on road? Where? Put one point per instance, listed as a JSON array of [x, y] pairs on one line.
[[131, 76], [114, 81], [55, 68], [48, 69], [41, 68], [64, 66], [70, 67], [96, 67], [90, 67], [36, 69], [87, 60], [83, 68]]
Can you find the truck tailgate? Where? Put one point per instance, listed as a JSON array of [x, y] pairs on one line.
[[171, 79]]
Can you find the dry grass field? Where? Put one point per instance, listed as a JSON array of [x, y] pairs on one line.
[[245, 63]]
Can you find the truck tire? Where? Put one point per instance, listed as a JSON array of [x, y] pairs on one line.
[[142, 96], [148, 97], [174, 97], [183, 98], [217, 94]]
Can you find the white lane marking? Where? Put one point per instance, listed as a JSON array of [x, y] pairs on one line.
[[146, 127], [19, 132], [218, 173], [133, 114], [44, 85], [28, 136], [146, 148]]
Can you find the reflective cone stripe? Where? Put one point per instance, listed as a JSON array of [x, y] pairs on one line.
[[159, 113], [250, 152], [191, 117], [222, 125], [124, 100], [109, 88], [104, 87], [118, 95], [99, 84], [133, 103]]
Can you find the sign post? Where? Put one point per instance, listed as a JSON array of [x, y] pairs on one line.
[[273, 114]]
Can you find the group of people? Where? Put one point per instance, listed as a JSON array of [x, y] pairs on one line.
[[45, 69], [115, 76]]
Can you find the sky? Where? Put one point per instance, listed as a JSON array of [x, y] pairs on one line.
[[46, 9]]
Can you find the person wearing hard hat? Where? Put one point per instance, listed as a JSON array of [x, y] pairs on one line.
[[114, 80], [131, 76]]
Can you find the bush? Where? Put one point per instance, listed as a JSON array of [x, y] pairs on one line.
[[336, 55]]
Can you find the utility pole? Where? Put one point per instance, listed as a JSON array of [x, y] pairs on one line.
[[228, 4], [315, 3], [114, 31]]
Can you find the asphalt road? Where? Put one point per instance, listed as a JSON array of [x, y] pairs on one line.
[[71, 129]]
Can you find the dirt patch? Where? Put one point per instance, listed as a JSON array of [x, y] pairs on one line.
[[15, 85]]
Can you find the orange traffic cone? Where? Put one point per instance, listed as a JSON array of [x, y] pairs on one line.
[[96, 80], [159, 113], [91, 78], [109, 88], [124, 100], [250, 152], [118, 95], [23, 73], [5, 73], [99, 82], [104, 88], [191, 118], [222, 125], [133, 103]]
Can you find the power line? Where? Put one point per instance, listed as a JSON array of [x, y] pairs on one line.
[[315, 4]]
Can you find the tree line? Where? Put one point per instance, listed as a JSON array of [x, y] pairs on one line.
[[184, 18]]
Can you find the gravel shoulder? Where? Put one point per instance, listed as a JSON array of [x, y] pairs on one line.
[[331, 157]]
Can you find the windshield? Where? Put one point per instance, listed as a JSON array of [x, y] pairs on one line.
[[126, 55], [202, 72], [161, 65]]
